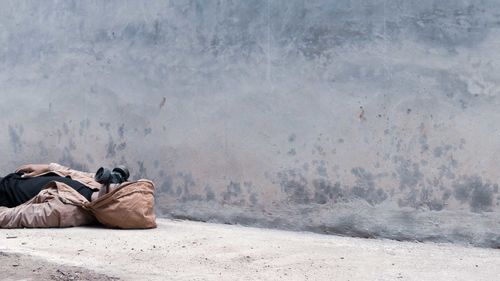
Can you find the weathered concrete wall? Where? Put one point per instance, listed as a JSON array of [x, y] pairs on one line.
[[366, 118]]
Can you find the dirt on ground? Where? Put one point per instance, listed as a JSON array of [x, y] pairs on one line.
[[14, 267]]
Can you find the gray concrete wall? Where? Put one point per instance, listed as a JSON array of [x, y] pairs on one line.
[[364, 118]]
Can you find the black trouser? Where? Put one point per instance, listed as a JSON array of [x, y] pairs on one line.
[[15, 190]]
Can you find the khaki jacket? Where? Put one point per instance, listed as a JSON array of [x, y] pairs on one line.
[[131, 205]]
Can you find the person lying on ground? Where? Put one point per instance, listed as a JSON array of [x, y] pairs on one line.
[[51, 195], [28, 180]]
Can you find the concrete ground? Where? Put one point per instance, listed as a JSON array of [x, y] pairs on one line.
[[184, 250]]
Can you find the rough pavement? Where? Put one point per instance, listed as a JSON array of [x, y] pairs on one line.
[[183, 250], [14, 267]]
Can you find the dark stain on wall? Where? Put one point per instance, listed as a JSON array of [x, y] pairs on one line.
[[453, 87], [423, 198], [15, 133], [233, 194], [65, 128], [408, 173], [475, 192], [105, 125], [84, 125], [446, 171], [121, 131], [319, 149], [451, 27], [139, 33], [446, 194], [424, 146], [185, 186], [110, 149], [166, 186], [59, 135], [141, 171], [441, 150], [365, 187], [71, 144], [325, 191], [294, 184], [254, 199], [321, 168], [209, 193]]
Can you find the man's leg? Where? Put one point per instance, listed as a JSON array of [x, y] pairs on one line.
[[5, 194], [15, 190], [3, 197]]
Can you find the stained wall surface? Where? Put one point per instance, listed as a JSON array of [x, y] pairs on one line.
[[363, 118]]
